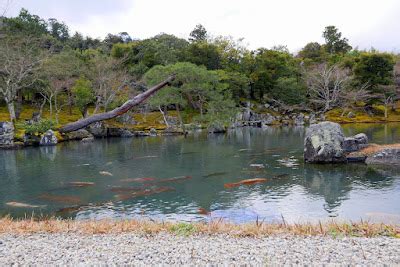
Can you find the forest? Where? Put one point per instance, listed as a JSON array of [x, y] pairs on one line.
[[46, 68]]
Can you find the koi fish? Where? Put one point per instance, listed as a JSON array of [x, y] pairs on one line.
[[244, 149], [246, 182], [214, 174], [203, 211], [70, 209], [60, 199], [125, 189], [80, 184], [105, 173], [174, 179], [22, 205], [145, 192], [143, 179]]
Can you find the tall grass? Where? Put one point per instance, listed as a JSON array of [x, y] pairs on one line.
[[257, 229]]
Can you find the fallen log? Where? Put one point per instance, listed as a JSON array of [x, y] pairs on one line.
[[82, 123]]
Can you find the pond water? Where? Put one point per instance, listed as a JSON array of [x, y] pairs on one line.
[[185, 179]]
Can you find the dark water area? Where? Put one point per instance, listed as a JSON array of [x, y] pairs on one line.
[[177, 178]]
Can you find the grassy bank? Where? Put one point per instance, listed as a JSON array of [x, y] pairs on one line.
[[257, 229]]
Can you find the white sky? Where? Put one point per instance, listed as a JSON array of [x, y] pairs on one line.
[[263, 23]]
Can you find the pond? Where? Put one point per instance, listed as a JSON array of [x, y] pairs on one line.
[[185, 179]]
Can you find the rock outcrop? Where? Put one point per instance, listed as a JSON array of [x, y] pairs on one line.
[[48, 139], [216, 127], [355, 143], [324, 143], [389, 157], [6, 134]]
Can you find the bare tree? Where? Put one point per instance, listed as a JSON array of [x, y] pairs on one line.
[[4, 7], [20, 61], [388, 95], [350, 96], [325, 84], [60, 70], [108, 80]]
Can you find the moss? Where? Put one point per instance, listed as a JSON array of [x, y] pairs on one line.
[[363, 117]]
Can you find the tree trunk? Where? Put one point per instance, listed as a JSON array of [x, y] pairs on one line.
[[117, 111], [11, 111], [163, 114], [180, 119]]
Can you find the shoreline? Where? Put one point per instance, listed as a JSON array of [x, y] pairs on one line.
[[219, 226]]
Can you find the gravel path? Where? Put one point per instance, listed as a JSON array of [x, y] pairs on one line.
[[110, 249]]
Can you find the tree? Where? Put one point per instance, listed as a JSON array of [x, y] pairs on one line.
[[350, 97], [198, 34], [334, 43], [325, 84], [83, 94], [20, 62], [60, 70], [375, 69], [82, 123], [109, 79], [26, 24], [290, 91], [269, 66], [58, 30], [312, 51], [205, 54]]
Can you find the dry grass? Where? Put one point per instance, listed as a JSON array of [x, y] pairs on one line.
[[257, 229]]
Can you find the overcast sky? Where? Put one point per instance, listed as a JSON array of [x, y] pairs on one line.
[[262, 23]]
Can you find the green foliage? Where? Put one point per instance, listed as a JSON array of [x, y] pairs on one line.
[[270, 65], [204, 54], [83, 92], [334, 43], [26, 24], [37, 127], [375, 69], [199, 33], [290, 90], [313, 51], [183, 229]]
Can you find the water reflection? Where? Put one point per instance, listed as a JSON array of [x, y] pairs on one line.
[[293, 190]]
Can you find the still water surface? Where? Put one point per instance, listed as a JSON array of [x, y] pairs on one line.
[[200, 165]]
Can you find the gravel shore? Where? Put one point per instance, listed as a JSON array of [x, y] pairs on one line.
[[164, 248]]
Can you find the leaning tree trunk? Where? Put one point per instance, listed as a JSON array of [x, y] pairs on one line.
[[117, 111]]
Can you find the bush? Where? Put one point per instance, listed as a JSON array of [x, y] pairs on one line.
[[37, 127]]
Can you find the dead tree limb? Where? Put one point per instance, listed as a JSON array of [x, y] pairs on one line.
[[82, 123]]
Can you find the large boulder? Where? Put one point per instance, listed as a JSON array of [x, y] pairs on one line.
[[355, 143], [78, 135], [324, 143], [6, 134], [98, 129], [389, 157], [216, 127], [299, 119], [48, 139]]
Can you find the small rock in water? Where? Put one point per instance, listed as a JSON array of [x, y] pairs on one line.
[[106, 173], [22, 205], [259, 166], [289, 162]]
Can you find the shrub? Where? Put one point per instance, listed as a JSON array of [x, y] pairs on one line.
[[37, 127]]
